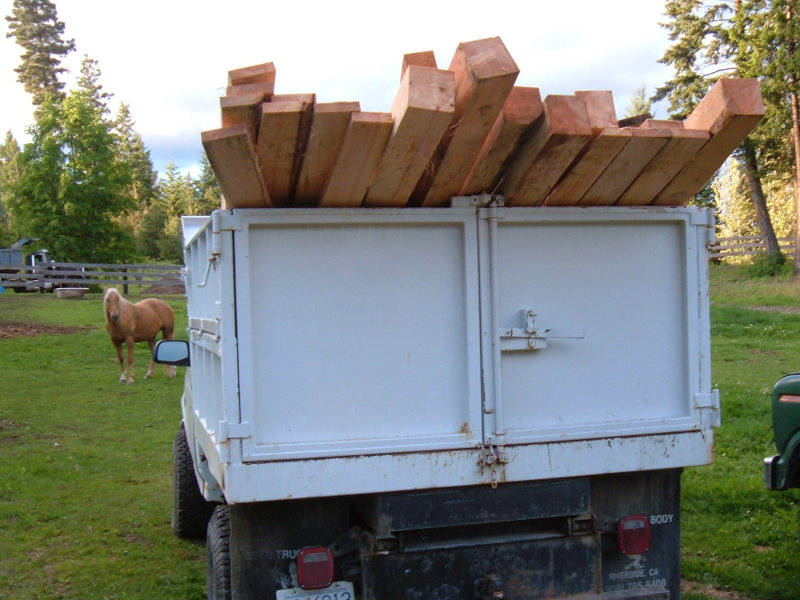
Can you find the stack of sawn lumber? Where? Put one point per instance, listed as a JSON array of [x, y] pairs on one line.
[[466, 130]]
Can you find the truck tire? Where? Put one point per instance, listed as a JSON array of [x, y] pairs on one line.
[[190, 511], [218, 555]]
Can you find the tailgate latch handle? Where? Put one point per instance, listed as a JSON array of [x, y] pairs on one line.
[[532, 336]]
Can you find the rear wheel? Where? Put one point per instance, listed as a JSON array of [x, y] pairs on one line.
[[190, 511], [218, 555]]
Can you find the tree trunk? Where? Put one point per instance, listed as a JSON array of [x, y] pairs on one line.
[[793, 101], [796, 141], [750, 164]]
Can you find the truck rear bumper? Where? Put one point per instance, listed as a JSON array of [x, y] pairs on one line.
[[771, 478]]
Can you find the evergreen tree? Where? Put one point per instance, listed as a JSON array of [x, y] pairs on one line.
[[89, 84], [35, 26], [159, 234], [766, 35], [133, 151], [151, 228], [704, 50], [207, 196], [640, 103], [9, 175]]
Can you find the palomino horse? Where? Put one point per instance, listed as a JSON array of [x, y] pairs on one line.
[[128, 323]]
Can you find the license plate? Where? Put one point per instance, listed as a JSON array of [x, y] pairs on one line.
[[338, 590]]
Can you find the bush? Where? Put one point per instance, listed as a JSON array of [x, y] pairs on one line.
[[768, 265]]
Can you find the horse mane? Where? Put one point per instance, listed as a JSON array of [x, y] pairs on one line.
[[113, 291]]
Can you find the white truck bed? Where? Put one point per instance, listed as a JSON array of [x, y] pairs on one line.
[[346, 351]]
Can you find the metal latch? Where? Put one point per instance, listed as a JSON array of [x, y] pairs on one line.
[[530, 336], [492, 457]]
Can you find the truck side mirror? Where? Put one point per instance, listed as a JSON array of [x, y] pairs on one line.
[[172, 352]]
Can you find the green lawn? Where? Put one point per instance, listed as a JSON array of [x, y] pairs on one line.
[[85, 473], [85, 462]]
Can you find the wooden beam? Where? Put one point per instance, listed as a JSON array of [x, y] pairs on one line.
[[422, 111], [729, 112], [681, 147], [662, 124], [365, 138], [242, 109], [552, 145], [599, 109], [419, 59], [521, 110], [328, 127], [282, 136], [626, 166], [263, 73], [588, 167], [233, 157], [484, 76], [267, 90]]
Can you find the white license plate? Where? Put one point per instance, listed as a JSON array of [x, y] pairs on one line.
[[338, 590]]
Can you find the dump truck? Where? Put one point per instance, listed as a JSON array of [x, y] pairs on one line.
[[25, 272], [469, 402]]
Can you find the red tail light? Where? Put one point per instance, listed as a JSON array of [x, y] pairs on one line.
[[634, 534], [315, 568]]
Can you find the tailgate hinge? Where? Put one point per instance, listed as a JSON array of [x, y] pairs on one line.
[[234, 431], [709, 402]]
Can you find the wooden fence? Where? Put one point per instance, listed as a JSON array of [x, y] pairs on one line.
[[52, 275], [746, 245]]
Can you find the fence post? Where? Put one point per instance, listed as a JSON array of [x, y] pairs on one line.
[[125, 279]]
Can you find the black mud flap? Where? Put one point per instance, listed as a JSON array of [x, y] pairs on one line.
[[548, 568]]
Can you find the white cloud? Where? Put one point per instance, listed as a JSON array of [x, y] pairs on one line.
[[168, 60]]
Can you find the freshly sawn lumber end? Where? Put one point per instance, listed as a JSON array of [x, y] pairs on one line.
[[729, 112], [365, 139], [242, 109], [521, 110], [233, 157], [484, 73], [552, 145], [422, 111], [599, 109], [644, 144], [588, 167], [282, 136], [263, 73], [328, 127], [420, 59]]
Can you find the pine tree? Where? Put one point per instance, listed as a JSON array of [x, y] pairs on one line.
[[640, 103], [9, 175], [207, 194], [767, 35], [133, 151], [704, 50], [35, 26]]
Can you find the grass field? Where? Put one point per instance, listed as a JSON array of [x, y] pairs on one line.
[[85, 462]]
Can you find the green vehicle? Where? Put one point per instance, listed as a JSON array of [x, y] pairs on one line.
[[781, 471]]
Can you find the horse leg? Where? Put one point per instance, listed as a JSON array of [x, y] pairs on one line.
[[151, 370], [122, 375], [130, 344], [166, 334]]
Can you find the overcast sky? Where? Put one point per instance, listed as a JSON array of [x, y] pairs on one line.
[[168, 60]]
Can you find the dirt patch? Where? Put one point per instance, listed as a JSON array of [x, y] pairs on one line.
[[165, 288], [711, 592], [9, 330]]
